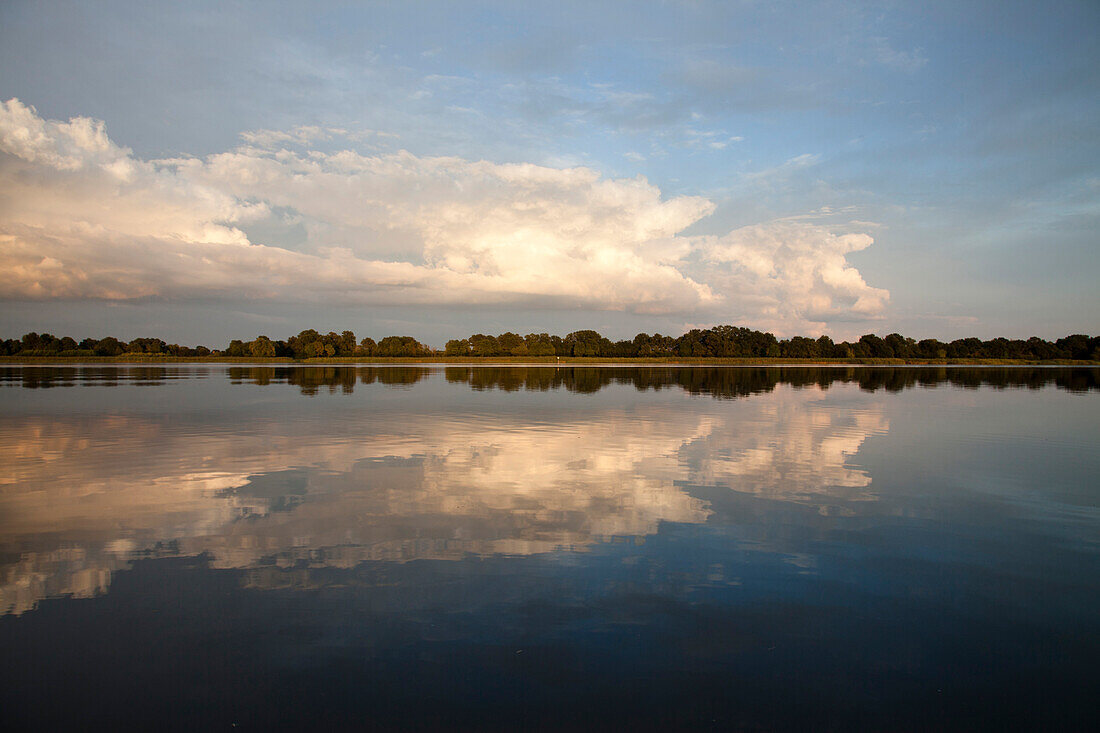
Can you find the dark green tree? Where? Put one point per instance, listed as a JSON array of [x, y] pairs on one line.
[[109, 346], [457, 347], [511, 344], [589, 343], [401, 346], [539, 344], [261, 347], [365, 347], [483, 345]]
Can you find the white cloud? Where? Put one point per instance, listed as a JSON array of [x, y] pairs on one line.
[[712, 139], [301, 135], [796, 272], [449, 486], [784, 170], [81, 217]]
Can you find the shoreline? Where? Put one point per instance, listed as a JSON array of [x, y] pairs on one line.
[[519, 361]]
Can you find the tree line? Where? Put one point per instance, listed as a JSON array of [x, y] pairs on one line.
[[720, 342], [739, 342], [308, 344]]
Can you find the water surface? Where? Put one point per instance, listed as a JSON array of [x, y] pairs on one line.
[[559, 548]]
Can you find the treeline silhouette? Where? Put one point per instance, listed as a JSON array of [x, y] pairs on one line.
[[739, 342], [721, 382], [720, 342]]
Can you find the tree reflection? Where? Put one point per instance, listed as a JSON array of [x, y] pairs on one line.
[[735, 382], [715, 381]]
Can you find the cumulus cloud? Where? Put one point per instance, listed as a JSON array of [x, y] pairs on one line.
[[83, 217], [793, 274]]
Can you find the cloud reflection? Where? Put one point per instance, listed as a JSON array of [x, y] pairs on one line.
[[84, 496]]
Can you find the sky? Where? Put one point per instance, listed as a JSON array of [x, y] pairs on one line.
[[205, 171]]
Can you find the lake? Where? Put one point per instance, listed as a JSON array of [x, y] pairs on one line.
[[202, 547]]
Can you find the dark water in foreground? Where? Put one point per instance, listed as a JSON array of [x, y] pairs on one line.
[[536, 548]]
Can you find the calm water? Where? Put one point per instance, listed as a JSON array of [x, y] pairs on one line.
[[528, 548]]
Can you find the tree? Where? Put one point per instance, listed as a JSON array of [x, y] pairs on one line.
[[347, 343], [301, 346], [109, 346], [146, 345], [691, 344], [799, 347], [875, 347], [931, 349], [968, 348], [32, 341], [655, 345], [624, 349], [237, 348], [1074, 347], [262, 347], [899, 346], [401, 346], [457, 347], [643, 345], [589, 343], [365, 347], [998, 348], [511, 344], [482, 345], [539, 344]]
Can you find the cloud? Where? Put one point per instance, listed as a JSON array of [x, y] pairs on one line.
[[907, 61], [783, 171], [796, 272], [405, 485], [82, 217], [712, 139]]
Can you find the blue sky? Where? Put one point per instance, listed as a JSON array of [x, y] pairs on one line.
[[443, 168]]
